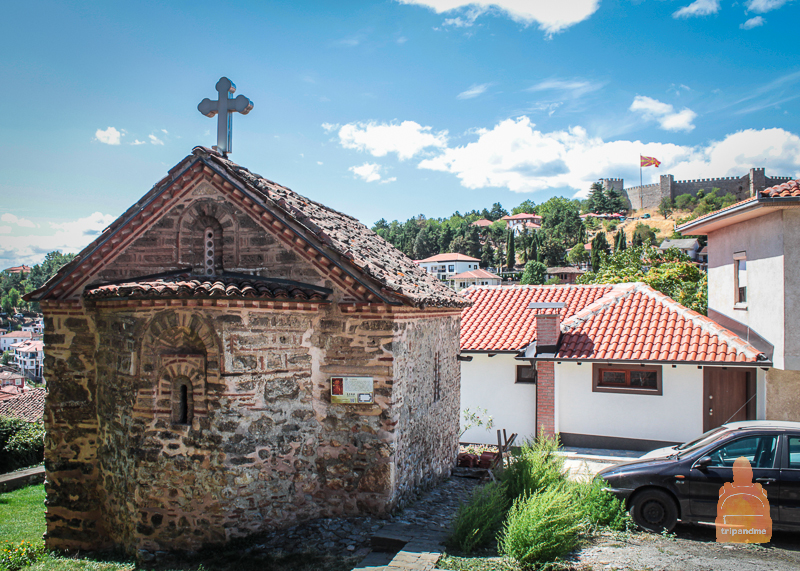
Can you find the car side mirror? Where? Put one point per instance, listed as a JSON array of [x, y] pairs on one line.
[[703, 463]]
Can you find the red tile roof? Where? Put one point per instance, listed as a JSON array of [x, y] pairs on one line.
[[450, 258], [185, 285], [18, 269], [28, 406], [634, 322], [20, 335], [623, 322], [791, 188], [482, 223], [475, 274], [499, 319]]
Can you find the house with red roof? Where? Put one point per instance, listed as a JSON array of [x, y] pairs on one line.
[[473, 278], [445, 266], [517, 222], [753, 264], [608, 366]]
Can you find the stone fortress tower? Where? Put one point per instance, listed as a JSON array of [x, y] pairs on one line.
[[651, 195]]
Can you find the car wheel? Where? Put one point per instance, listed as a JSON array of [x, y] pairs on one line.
[[654, 510]]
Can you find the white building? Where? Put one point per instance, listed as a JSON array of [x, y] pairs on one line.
[[445, 266], [689, 246], [474, 278], [29, 357], [754, 283], [605, 366], [36, 326], [12, 337], [517, 222]]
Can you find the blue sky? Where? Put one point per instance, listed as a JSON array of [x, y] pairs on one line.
[[386, 108]]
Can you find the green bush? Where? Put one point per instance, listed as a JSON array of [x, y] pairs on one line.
[[599, 507], [541, 527], [15, 556], [21, 444], [535, 467], [477, 522]]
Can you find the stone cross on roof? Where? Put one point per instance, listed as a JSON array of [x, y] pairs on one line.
[[224, 107]]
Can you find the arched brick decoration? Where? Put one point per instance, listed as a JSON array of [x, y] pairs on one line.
[[196, 219], [177, 345]]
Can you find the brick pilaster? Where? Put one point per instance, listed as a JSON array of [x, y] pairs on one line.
[[545, 397]]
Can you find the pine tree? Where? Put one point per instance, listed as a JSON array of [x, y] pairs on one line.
[[599, 247], [511, 259], [620, 242], [487, 254], [637, 240]]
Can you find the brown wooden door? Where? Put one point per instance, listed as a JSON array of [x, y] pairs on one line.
[[727, 396]]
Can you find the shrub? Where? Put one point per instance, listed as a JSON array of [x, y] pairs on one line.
[[599, 507], [541, 527], [21, 444], [536, 466], [15, 556], [477, 522]]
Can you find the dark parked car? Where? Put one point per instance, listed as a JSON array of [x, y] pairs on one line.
[[683, 482]]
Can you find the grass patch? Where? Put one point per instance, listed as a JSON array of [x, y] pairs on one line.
[[479, 519], [457, 563], [22, 515]]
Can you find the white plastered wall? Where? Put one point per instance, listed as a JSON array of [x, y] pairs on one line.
[[674, 416], [489, 383]]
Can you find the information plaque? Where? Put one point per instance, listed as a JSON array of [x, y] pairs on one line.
[[352, 390]]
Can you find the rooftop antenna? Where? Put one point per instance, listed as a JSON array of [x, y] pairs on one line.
[[224, 107]]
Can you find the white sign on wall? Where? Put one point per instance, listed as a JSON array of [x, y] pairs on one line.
[[352, 390]]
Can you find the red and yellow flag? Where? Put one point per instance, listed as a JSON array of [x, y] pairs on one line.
[[649, 161]]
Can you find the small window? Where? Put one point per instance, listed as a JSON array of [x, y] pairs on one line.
[[759, 451], [182, 401], [526, 374], [633, 379], [794, 452], [208, 239], [740, 280], [451, 269]]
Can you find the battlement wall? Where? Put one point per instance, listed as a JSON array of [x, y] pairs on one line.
[[643, 196]]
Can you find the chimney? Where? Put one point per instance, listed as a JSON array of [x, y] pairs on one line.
[[548, 325]]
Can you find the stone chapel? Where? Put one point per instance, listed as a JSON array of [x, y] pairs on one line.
[[198, 355]]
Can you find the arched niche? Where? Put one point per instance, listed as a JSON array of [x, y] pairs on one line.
[[208, 226]]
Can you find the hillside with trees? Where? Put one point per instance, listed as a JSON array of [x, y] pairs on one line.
[[14, 285]]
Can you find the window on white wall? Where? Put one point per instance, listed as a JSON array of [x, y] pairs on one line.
[[740, 278], [526, 374]]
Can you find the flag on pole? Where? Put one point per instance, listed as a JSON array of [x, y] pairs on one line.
[[649, 161]]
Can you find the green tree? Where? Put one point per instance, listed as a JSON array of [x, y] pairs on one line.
[[620, 241], [8, 307], [535, 273], [671, 272], [615, 201], [424, 245], [14, 297], [666, 207], [685, 202], [527, 207], [599, 249], [533, 246], [561, 229], [445, 237], [497, 212], [487, 254], [511, 251], [473, 242], [597, 199], [643, 235], [578, 254]]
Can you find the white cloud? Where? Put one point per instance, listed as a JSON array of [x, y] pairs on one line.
[[319, 163], [138, 142], [752, 23], [12, 219], [473, 91], [551, 16], [571, 88], [69, 237], [371, 172], [165, 131], [401, 40], [330, 127], [763, 6], [155, 140], [698, 8], [5, 229], [406, 139], [110, 136], [664, 113], [515, 155]]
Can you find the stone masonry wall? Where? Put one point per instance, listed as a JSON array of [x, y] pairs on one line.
[[75, 497], [265, 448], [427, 401]]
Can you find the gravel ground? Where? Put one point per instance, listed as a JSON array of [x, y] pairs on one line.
[[692, 548]]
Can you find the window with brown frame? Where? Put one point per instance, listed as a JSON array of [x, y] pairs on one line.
[[526, 374], [633, 379]]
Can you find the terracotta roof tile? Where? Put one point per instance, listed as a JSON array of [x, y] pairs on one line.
[[790, 188], [659, 329], [499, 319], [185, 285], [28, 406]]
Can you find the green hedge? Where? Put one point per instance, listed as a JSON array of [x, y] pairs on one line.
[[21, 444]]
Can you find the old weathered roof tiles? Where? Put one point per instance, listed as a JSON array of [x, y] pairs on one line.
[[790, 188], [342, 235], [28, 406], [188, 286]]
